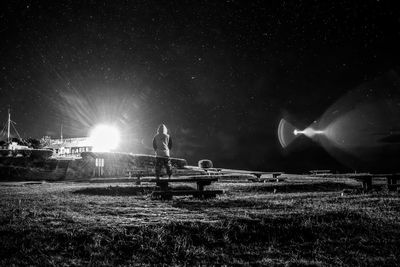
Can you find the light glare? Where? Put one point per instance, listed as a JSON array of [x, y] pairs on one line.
[[104, 138]]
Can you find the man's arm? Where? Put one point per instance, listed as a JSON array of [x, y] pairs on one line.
[[154, 144], [170, 143]]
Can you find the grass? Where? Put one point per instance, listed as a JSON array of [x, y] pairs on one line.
[[306, 222]]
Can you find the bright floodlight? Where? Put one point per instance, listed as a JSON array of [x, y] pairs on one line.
[[104, 138], [310, 132]]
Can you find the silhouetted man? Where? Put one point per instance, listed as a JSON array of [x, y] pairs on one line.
[[162, 143]]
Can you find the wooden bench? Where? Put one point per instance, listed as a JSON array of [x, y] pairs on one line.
[[275, 178], [392, 183], [257, 174], [366, 181], [367, 178], [138, 173], [165, 192], [320, 172], [391, 179]]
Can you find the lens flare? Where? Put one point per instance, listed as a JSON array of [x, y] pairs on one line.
[[287, 133], [104, 138], [361, 130], [285, 130]]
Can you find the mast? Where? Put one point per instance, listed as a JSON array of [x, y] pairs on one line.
[[61, 133], [8, 125]]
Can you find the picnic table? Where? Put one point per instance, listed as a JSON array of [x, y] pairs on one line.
[[164, 190], [392, 182], [256, 174], [275, 178], [367, 178]]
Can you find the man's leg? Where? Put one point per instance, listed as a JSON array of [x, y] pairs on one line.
[[168, 166], [158, 167]]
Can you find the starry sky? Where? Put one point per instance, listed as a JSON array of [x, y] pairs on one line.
[[219, 74]]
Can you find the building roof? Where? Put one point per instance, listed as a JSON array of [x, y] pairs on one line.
[[69, 142]]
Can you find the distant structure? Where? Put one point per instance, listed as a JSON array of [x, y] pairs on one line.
[[67, 147], [320, 172], [10, 144]]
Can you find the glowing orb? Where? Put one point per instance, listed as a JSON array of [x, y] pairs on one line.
[[104, 138]]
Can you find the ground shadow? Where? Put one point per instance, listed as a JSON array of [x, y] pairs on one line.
[[124, 190], [228, 204], [298, 188], [116, 191]]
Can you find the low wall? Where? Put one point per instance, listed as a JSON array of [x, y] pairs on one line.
[[25, 168], [115, 165]]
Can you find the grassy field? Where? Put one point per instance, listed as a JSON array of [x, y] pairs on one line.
[[302, 221]]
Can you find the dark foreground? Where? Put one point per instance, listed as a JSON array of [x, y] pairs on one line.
[[307, 222]]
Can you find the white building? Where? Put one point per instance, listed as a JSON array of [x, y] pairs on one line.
[[68, 147]]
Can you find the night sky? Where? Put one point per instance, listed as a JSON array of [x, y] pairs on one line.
[[219, 74]]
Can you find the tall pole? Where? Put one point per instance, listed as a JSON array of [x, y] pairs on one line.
[[61, 133], [8, 126]]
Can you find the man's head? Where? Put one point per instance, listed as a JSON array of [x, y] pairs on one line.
[[162, 129]]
